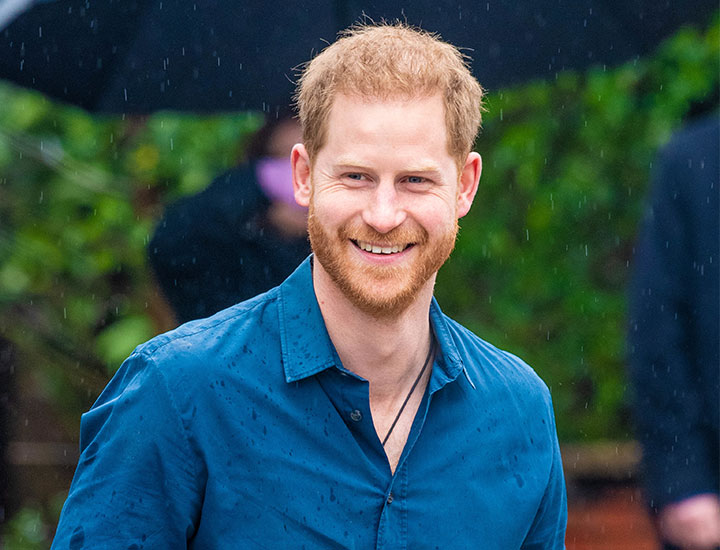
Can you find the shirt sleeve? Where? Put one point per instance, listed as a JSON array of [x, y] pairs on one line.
[[548, 529], [137, 483]]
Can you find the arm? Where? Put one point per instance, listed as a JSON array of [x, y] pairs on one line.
[[137, 481], [548, 529]]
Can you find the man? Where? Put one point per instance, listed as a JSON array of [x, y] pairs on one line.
[[341, 409], [674, 339]]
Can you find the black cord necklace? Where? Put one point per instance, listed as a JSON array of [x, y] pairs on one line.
[[407, 398]]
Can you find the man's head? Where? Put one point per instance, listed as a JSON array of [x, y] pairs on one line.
[[390, 62], [389, 117]]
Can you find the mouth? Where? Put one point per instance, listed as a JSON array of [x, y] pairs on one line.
[[381, 249]]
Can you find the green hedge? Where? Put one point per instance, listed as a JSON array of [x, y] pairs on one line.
[[543, 260], [540, 268]]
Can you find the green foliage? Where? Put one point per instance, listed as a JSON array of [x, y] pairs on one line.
[[26, 531], [543, 257], [116, 342], [79, 196], [32, 526]]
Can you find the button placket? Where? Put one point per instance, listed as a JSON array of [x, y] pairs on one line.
[[392, 531]]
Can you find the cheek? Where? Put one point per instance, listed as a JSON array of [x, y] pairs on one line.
[[440, 213], [330, 209]]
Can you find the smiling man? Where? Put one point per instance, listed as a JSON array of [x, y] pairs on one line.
[[341, 409]]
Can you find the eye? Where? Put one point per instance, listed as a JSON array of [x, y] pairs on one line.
[[355, 179], [418, 183]]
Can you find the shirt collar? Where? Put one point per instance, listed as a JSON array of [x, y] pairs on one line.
[[306, 345], [451, 365]]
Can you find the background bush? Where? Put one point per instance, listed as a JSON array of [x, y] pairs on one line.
[[545, 255], [540, 269]]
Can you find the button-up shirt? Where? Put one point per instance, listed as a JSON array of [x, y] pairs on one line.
[[244, 430]]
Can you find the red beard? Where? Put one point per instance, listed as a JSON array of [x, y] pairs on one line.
[[379, 291]]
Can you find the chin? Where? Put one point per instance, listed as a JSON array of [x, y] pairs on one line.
[[387, 306]]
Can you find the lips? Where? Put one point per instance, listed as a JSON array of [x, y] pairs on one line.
[[380, 249]]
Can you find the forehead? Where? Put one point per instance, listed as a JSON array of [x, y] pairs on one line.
[[400, 125]]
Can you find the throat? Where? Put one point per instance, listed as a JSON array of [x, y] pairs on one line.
[[410, 393], [393, 430], [394, 423]]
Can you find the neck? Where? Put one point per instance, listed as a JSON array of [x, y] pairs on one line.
[[388, 352]]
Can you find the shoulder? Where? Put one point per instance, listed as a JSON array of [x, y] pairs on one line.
[[234, 189], [689, 162], [697, 138], [227, 202], [196, 367], [497, 368], [227, 340]]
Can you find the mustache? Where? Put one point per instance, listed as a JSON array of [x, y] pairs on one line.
[[402, 235]]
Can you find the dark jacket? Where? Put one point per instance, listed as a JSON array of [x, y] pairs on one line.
[[674, 312], [214, 249]]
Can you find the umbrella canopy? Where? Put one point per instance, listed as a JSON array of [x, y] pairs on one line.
[[139, 56]]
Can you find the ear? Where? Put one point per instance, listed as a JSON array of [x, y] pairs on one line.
[[300, 162], [468, 183]]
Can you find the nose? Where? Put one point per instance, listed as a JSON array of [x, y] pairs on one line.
[[384, 211]]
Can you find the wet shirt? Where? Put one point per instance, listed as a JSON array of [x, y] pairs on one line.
[[244, 430]]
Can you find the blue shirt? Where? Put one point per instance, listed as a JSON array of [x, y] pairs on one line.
[[244, 430]]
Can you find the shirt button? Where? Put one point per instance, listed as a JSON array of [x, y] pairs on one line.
[[390, 498], [356, 416]]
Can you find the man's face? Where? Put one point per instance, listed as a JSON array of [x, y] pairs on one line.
[[384, 197]]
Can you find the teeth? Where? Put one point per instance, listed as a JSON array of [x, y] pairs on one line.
[[375, 249]]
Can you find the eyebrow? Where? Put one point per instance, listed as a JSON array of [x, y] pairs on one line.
[[349, 163]]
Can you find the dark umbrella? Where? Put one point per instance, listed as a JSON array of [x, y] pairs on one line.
[[139, 56]]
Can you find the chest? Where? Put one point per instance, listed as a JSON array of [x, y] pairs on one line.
[[393, 425], [314, 475]]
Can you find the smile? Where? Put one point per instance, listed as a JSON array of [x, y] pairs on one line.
[[377, 249]]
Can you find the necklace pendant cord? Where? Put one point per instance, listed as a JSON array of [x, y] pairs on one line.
[[412, 389]]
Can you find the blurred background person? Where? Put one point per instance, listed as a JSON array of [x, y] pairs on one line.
[[674, 334], [241, 236]]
